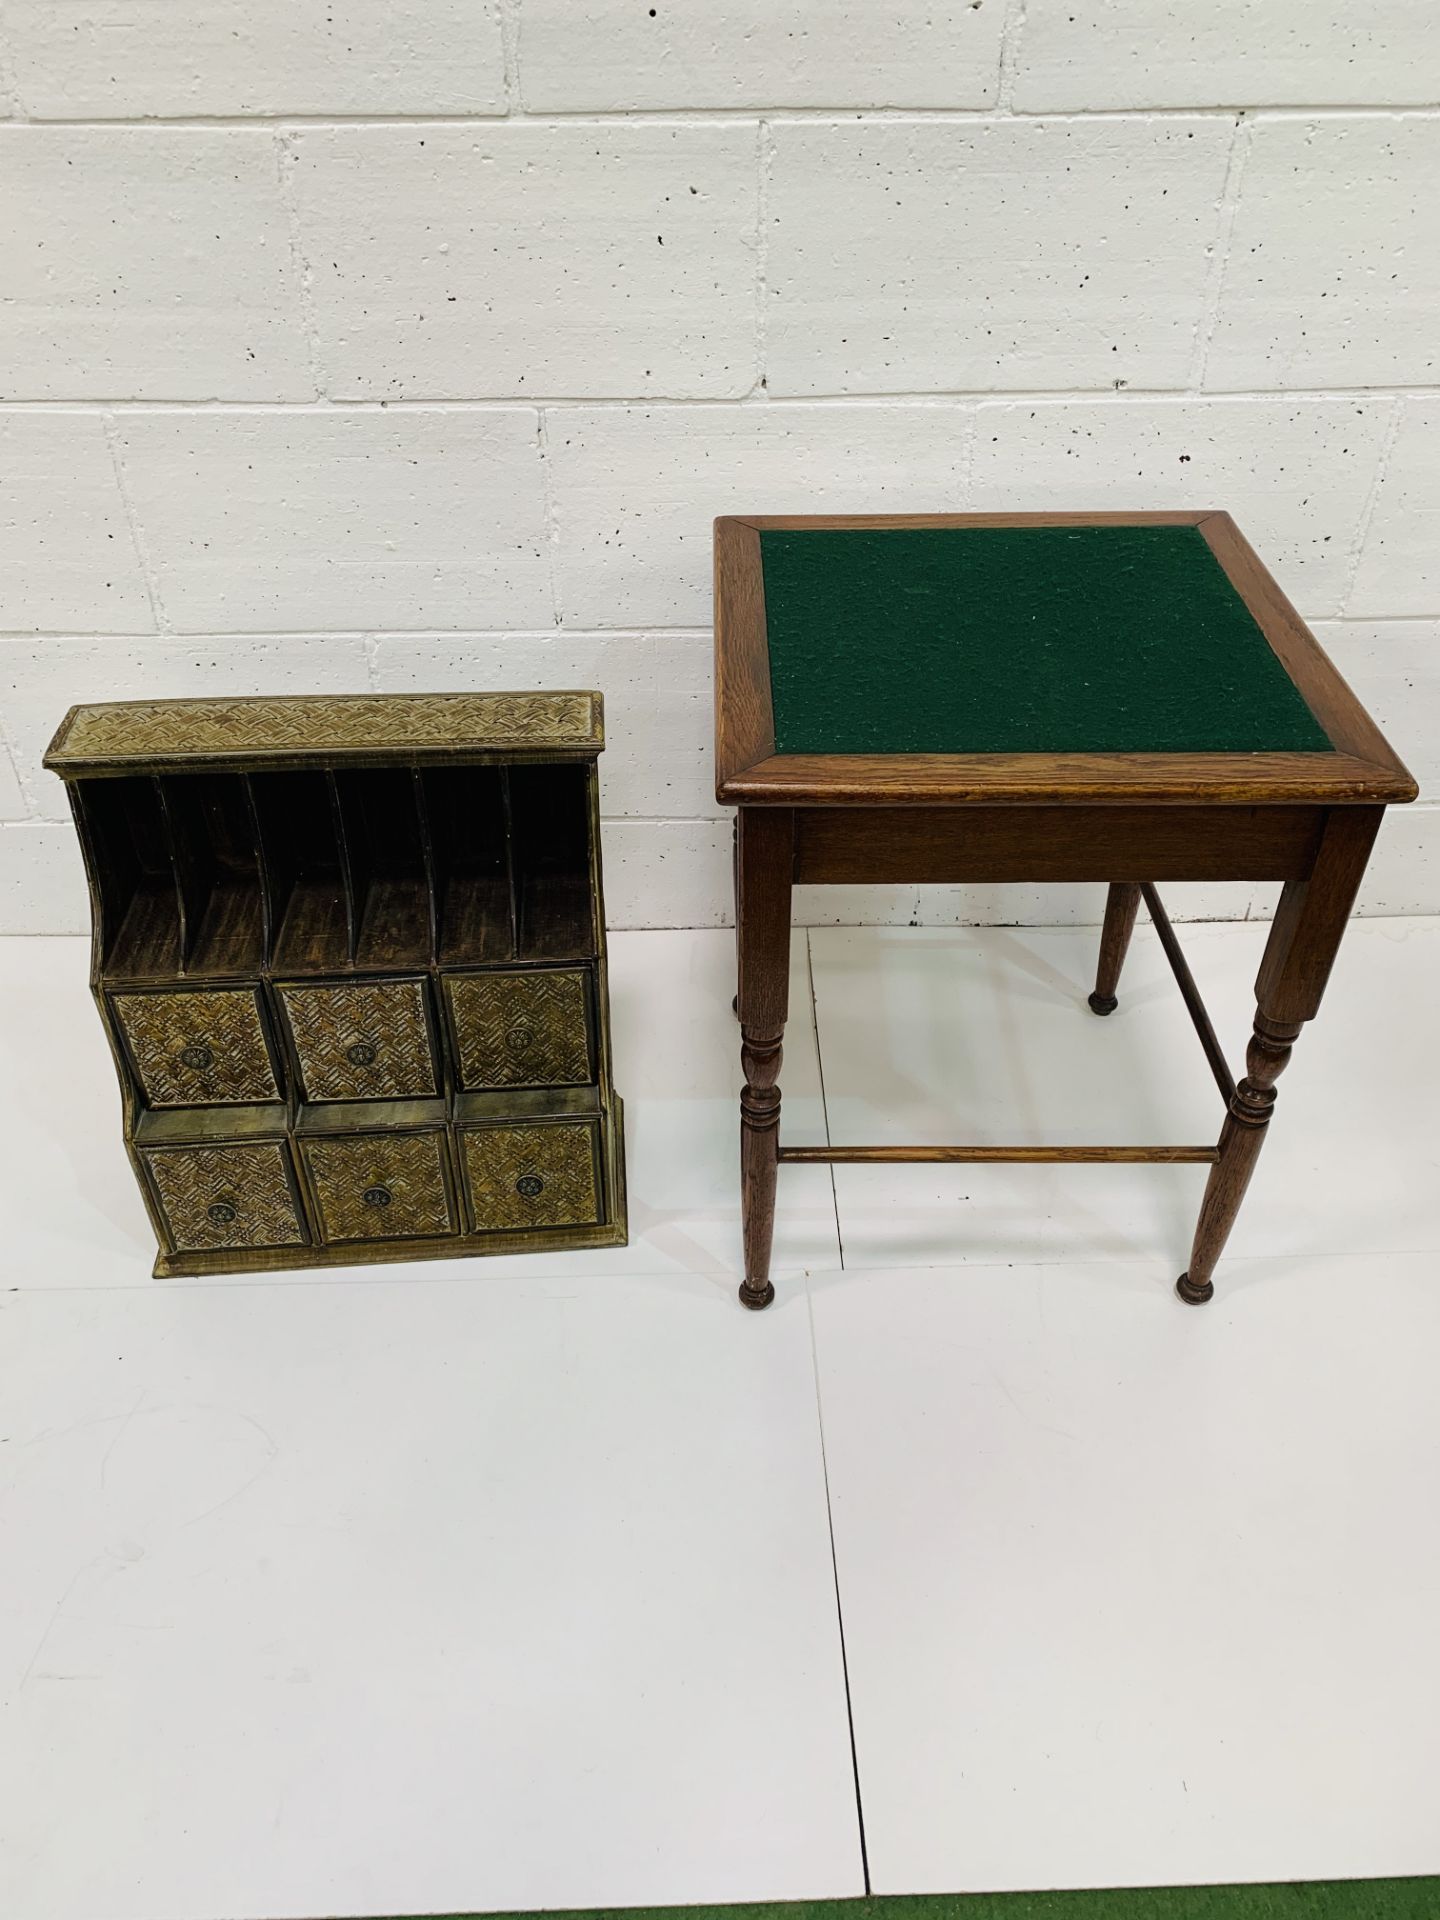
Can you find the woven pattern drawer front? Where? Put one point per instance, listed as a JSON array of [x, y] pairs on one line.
[[520, 1029], [226, 1196], [201, 1049], [380, 1186], [532, 1176], [361, 1042]]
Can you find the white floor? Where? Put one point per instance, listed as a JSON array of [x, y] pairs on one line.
[[513, 1584]]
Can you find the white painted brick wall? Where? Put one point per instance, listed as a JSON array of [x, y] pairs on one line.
[[131, 59], [598, 260], [1399, 570], [1013, 254], [67, 550], [14, 804], [758, 53], [1332, 275], [292, 520], [147, 264], [42, 884], [1078, 55], [684, 862], [416, 343]]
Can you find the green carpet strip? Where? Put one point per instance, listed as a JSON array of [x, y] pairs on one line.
[[1417, 1899], [1019, 640]]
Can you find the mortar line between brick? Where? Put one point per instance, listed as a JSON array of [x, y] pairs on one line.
[[27, 792], [286, 162], [1012, 27], [508, 13], [722, 116], [1372, 497], [551, 514], [132, 521], [10, 102], [617, 403], [1376, 620], [764, 164], [723, 822], [676, 635], [1235, 161], [969, 457]]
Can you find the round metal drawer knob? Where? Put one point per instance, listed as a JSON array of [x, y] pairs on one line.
[[197, 1055], [519, 1039], [222, 1213], [362, 1054], [529, 1186], [377, 1196]]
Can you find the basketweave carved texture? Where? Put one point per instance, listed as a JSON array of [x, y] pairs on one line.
[[198, 1049], [226, 1196], [381, 1186], [321, 723], [531, 1176], [521, 1029], [367, 1042]]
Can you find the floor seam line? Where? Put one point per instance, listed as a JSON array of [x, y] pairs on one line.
[[839, 1606]]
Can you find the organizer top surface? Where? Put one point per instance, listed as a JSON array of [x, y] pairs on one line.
[[360, 729], [1038, 639]]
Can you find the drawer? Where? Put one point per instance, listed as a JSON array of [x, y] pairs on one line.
[[200, 1049], [520, 1029], [226, 1196], [380, 1186], [361, 1042], [543, 1176]]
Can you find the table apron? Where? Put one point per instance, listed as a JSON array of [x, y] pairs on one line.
[[948, 845]]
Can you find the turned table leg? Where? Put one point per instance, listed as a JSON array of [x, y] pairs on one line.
[[1299, 954], [1121, 905], [764, 850], [1240, 1141]]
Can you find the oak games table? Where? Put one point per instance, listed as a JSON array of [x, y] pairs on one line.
[[946, 698]]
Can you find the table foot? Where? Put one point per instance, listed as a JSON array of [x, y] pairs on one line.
[[1103, 1002], [756, 1297], [1192, 1295]]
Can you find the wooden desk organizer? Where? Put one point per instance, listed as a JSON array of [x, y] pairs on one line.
[[350, 957]]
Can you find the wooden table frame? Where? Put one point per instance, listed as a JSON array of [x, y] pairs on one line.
[[1306, 820]]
